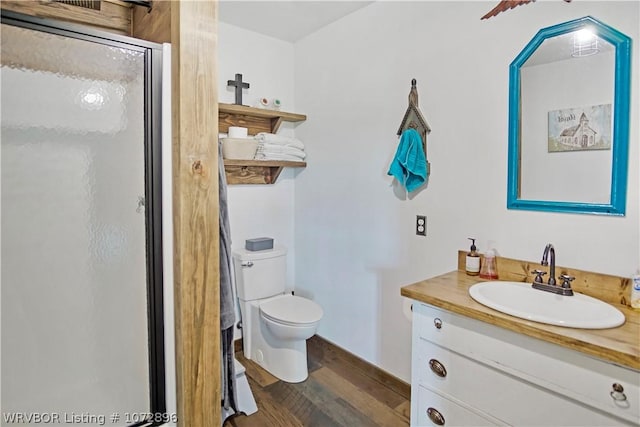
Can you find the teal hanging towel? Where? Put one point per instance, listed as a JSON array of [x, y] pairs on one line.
[[409, 165]]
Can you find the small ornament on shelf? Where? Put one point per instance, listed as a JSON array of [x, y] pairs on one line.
[[238, 84], [271, 104]]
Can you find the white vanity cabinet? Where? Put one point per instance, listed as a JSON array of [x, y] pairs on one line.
[[467, 372]]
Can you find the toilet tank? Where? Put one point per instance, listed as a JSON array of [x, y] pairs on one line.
[[260, 274]]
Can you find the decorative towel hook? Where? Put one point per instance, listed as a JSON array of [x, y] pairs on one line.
[[409, 165], [413, 118]]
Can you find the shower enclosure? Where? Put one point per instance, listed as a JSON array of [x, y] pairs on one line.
[[81, 271]]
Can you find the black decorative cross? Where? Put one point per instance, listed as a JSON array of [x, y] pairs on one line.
[[239, 85]]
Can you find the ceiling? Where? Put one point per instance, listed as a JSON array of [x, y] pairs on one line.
[[285, 19]]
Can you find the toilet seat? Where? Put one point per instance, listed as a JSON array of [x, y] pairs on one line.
[[291, 310]]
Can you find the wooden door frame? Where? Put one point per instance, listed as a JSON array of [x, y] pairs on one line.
[[195, 211], [191, 28]]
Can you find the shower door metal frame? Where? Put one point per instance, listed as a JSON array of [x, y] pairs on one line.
[[153, 187]]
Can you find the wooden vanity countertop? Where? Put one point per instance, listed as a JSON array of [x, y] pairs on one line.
[[450, 291]]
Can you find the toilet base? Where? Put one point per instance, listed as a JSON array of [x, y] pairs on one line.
[[288, 364], [284, 359]]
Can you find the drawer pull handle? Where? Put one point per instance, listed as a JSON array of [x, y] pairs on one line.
[[617, 393], [437, 368], [437, 322], [435, 416]]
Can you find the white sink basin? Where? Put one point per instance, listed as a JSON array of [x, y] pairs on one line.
[[521, 300]]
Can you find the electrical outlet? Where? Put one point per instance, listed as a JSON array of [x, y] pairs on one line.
[[421, 225]]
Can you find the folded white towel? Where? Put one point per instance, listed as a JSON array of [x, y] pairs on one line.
[[274, 156], [268, 148], [279, 139]]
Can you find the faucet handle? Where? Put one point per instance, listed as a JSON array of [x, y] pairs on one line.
[[539, 274], [566, 280]]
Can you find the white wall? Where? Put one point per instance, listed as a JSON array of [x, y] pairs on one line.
[[267, 64], [354, 237]]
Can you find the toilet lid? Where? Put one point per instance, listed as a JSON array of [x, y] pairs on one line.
[[291, 309]]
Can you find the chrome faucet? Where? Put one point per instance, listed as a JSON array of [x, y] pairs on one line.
[[549, 258], [550, 250]]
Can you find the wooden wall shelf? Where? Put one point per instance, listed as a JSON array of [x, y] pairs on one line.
[[256, 171], [256, 120]]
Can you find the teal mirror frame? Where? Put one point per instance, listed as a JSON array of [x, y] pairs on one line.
[[620, 143]]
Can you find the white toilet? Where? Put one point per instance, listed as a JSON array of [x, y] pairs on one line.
[[275, 324]]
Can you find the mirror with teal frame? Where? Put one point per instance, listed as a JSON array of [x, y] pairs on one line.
[[569, 94]]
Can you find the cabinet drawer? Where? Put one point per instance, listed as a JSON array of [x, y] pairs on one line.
[[562, 371], [499, 394], [434, 410]]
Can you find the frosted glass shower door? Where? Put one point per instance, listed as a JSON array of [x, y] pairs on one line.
[[75, 324]]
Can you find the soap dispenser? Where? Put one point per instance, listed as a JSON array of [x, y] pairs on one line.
[[472, 265], [489, 269]]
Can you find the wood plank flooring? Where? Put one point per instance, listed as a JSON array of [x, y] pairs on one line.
[[342, 390]]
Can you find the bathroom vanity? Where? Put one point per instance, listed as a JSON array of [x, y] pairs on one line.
[[472, 365]]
